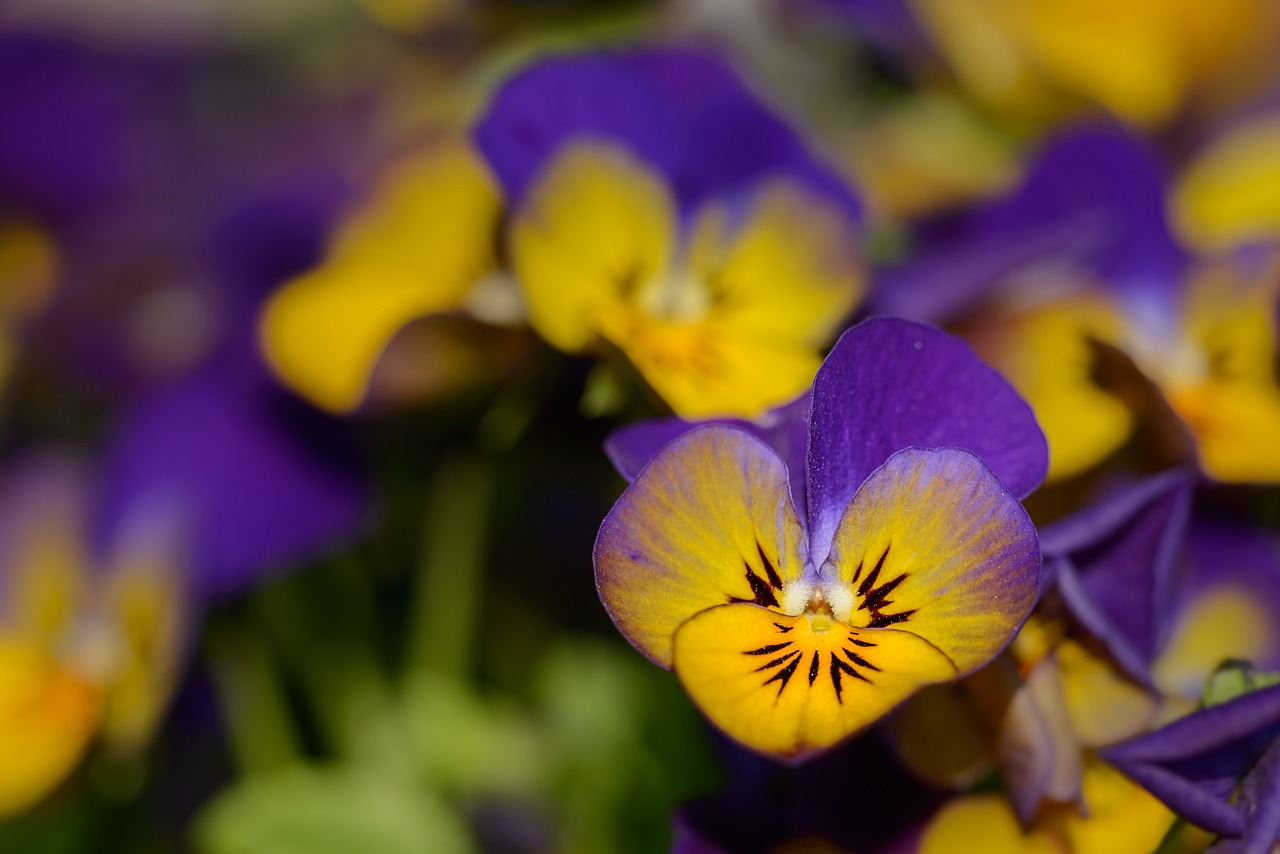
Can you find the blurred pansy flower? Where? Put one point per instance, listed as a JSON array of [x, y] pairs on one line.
[[659, 207], [1093, 312], [1217, 768], [914, 562], [103, 576], [1147, 62], [423, 245]]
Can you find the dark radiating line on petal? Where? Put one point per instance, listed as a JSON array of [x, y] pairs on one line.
[[870, 580], [764, 593], [857, 572], [767, 650], [785, 673], [813, 667], [778, 660], [860, 661], [835, 677], [877, 598], [784, 629], [857, 642], [882, 620], [769, 569], [848, 669]]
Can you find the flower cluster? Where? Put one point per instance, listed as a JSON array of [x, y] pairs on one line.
[[936, 344]]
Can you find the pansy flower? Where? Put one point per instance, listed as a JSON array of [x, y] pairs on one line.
[[913, 563], [657, 206], [103, 575]]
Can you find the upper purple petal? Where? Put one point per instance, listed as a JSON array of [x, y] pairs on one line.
[[891, 384], [255, 490], [685, 113], [1195, 763]]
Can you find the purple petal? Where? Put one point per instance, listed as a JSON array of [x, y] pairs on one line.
[[255, 491], [1260, 803], [891, 384], [685, 113], [1194, 763], [1114, 566]]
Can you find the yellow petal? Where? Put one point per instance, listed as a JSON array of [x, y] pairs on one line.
[[47, 716], [1104, 706], [708, 521], [986, 823], [1046, 355], [1223, 623], [594, 228], [933, 544], [422, 242], [1122, 816], [1230, 195], [1235, 426], [792, 685]]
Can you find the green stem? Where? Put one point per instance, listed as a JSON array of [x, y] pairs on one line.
[[252, 700]]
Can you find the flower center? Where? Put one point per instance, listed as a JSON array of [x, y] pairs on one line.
[[819, 612]]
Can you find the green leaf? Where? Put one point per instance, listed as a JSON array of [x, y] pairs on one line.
[[334, 810]]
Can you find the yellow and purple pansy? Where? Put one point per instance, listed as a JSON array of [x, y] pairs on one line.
[[659, 207], [912, 561]]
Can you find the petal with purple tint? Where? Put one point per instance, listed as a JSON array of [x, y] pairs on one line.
[[890, 384], [707, 522], [934, 545]]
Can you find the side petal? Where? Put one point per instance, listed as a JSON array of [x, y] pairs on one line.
[[933, 544], [47, 717], [707, 522], [890, 384], [1230, 195], [418, 246], [779, 686], [597, 224]]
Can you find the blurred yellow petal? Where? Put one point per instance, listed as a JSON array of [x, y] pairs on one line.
[[790, 685], [1046, 355], [1222, 623], [1236, 426], [1104, 706], [986, 823], [789, 274], [47, 717], [708, 521], [939, 735], [1230, 195], [596, 227], [418, 247], [709, 369], [28, 270], [1121, 815]]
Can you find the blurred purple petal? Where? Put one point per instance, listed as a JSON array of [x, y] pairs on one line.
[[891, 384], [256, 491], [685, 113], [1260, 803], [1195, 763]]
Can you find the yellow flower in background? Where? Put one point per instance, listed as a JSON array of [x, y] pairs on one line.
[[1229, 196], [1143, 61]]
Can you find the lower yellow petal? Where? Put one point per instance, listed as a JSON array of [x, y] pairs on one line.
[[47, 716], [1104, 706], [1235, 425], [1122, 816], [792, 685], [986, 823]]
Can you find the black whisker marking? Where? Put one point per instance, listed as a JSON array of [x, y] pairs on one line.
[[778, 660], [870, 580], [863, 643], [771, 648], [785, 674], [813, 667], [769, 569], [882, 620], [876, 599], [784, 629], [860, 661], [848, 669]]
